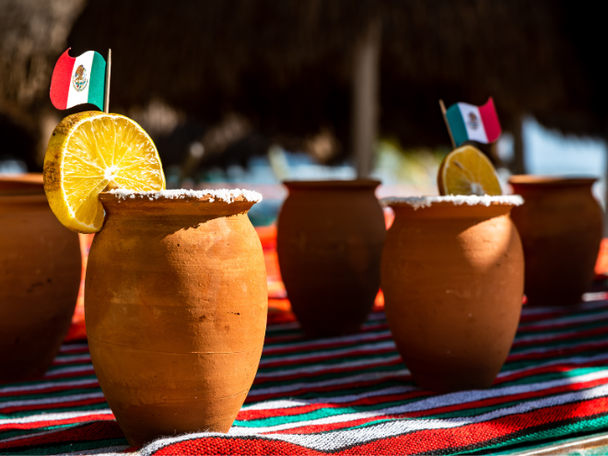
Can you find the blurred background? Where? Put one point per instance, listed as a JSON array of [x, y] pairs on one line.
[[247, 93]]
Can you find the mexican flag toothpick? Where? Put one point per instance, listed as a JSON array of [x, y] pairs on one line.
[[82, 79], [467, 122]]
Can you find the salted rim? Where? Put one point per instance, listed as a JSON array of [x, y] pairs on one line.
[[222, 194], [418, 202]]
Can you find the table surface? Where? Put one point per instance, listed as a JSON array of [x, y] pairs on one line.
[[350, 395]]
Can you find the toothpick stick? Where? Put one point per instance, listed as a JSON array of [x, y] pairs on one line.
[[106, 103], [447, 124]]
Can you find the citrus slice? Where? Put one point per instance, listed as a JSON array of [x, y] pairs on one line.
[[90, 151], [467, 171]]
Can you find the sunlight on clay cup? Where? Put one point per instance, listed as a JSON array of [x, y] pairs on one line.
[[452, 277], [176, 305]]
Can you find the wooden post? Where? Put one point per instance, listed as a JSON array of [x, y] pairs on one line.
[[447, 124], [519, 164], [106, 101], [366, 71]]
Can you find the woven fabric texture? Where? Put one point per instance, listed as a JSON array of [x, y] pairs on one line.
[[348, 395]]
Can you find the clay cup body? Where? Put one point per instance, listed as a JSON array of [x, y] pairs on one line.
[[40, 271], [561, 229], [176, 305], [329, 243], [452, 277]]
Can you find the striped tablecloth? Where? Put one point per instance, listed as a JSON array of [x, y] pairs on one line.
[[348, 395]]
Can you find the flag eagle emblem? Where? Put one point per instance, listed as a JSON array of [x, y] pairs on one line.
[[80, 79]]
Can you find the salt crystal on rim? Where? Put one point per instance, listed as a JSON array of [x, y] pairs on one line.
[[418, 202], [222, 194]]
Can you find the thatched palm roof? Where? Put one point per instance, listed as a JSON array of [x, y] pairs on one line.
[[287, 65], [32, 34]]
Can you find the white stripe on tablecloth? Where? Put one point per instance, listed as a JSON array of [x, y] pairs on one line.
[[45, 385], [50, 400], [387, 344], [567, 319], [53, 416], [73, 347], [434, 402], [335, 440], [382, 375], [548, 336], [69, 370], [317, 368], [558, 347], [65, 359], [288, 403], [363, 337], [555, 362]]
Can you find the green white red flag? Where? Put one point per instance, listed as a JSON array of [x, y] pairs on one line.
[[78, 80], [473, 123]]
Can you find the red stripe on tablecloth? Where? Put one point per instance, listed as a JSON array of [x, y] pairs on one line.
[[309, 429], [510, 398], [58, 422], [100, 430], [425, 441]]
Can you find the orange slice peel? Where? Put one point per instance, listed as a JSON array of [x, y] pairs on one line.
[[467, 171], [92, 151]]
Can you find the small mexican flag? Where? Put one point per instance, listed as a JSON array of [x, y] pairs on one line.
[[78, 80], [473, 123]]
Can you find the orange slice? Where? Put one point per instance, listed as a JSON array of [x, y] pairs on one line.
[[90, 151], [467, 171]]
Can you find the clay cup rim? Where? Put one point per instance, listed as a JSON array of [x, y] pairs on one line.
[[548, 181], [332, 184], [202, 196], [420, 202], [21, 184]]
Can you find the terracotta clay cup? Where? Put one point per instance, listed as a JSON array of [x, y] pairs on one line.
[[176, 304], [40, 271], [561, 229], [453, 278], [329, 243]]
